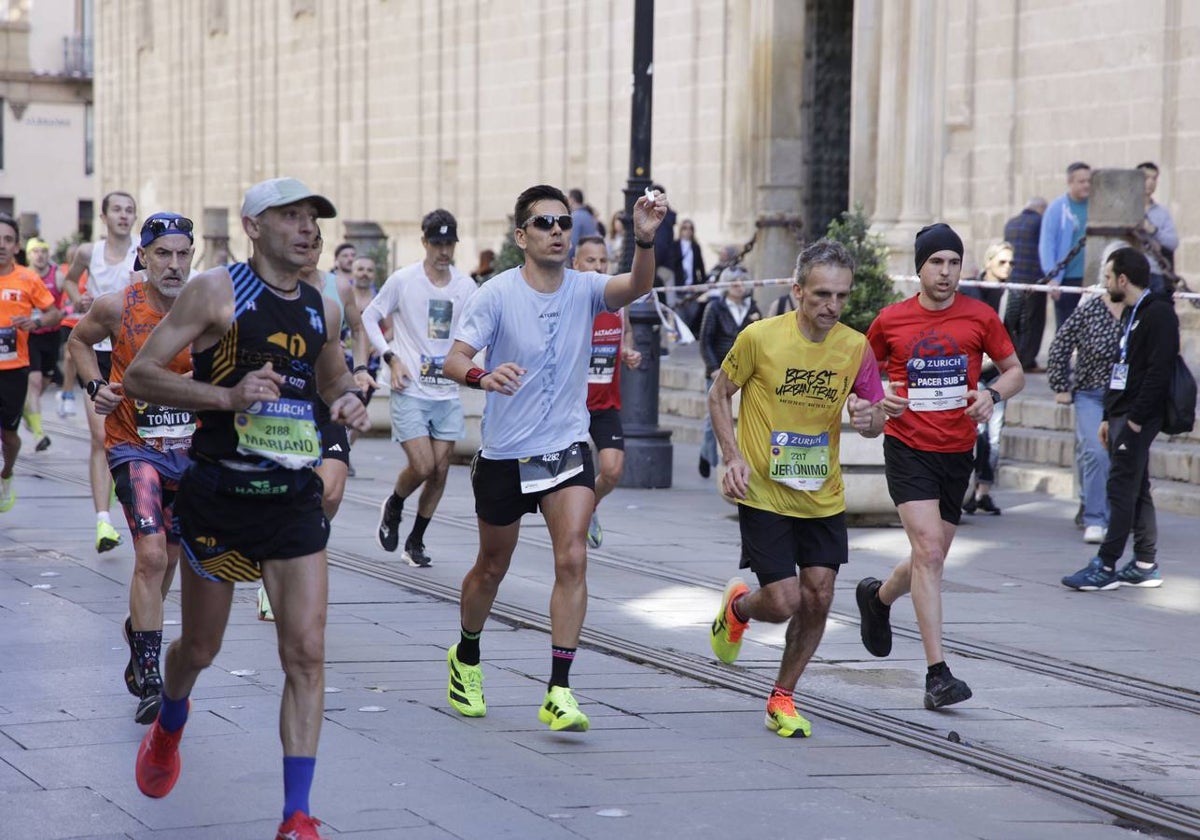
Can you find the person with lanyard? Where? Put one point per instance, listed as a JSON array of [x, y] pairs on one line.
[[44, 344], [536, 322], [1134, 404], [109, 266], [932, 346], [146, 443], [796, 373], [265, 349], [21, 293]]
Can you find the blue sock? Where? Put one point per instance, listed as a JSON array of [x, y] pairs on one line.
[[297, 782], [173, 714]]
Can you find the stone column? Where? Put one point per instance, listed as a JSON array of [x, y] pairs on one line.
[[865, 105], [889, 161]]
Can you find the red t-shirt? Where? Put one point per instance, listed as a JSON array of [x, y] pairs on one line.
[[933, 358], [604, 372]]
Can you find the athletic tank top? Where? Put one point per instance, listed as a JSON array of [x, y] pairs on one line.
[[134, 421], [331, 291], [51, 282], [265, 328], [104, 278]]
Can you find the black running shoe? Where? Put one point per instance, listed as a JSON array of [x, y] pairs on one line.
[[43, 444], [945, 690], [970, 505], [414, 554], [389, 526], [988, 506], [874, 618], [151, 700], [133, 672]]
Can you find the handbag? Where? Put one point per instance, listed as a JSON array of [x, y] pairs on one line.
[[1180, 414]]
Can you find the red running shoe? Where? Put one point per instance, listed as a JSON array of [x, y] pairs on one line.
[[299, 826], [158, 761]]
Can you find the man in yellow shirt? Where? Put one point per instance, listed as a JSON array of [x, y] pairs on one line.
[[796, 371]]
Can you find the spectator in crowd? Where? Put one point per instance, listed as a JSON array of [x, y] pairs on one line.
[[484, 269], [687, 263], [583, 220], [1161, 229], [615, 238], [1063, 225], [1025, 316], [724, 318]]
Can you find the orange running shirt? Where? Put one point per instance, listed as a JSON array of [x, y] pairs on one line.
[[134, 421], [21, 291]]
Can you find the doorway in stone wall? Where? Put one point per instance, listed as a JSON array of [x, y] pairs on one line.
[[825, 112]]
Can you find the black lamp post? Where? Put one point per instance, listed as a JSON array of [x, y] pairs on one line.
[[648, 452]]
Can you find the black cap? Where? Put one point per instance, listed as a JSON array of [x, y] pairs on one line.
[[439, 227], [934, 238]]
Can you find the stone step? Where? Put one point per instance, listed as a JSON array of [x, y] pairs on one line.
[[683, 429], [1169, 460], [1174, 496]]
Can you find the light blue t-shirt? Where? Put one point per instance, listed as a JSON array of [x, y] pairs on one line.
[[550, 335], [1079, 210]]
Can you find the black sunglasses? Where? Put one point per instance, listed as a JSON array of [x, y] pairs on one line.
[[546, 221], [159, 227]]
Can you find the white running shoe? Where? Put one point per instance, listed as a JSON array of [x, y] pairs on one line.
[[1094, 534]]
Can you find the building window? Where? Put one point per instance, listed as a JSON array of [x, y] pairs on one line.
[[87, 212], [89, 143], [8, 206]]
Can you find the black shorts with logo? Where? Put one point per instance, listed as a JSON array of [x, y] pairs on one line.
[[13, 386], [774, 545], [43, 352], [606, 429], [335, 442], [914, 475], [497, 485], [230, 521]]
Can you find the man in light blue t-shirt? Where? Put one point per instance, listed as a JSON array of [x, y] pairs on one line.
[[536, 323], [1063, 224]]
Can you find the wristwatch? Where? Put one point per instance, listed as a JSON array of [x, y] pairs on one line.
[[995, 395], [93, 388], [388, 356]]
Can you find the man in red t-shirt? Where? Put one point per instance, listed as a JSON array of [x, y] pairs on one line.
[[932, 347], [21, 292], [609, 349]]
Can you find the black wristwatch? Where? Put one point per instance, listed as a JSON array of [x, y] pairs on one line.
[[93, 388], [995, 395], [644, 244], [388, 356]]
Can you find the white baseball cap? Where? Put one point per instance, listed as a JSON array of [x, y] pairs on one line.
[[280, 192]]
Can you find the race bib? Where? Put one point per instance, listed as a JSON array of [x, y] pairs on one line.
[[282, 431], [164, 428], [800, 462], [937, 383], [603, 364], [1120, 376], [431, 371], [8, 344], [543, 472]]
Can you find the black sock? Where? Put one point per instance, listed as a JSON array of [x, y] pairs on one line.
[[148, 644], [468, 647], [396, 503], [418, 530], [938, 669], [560, 666]]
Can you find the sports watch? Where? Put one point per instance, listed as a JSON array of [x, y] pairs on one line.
[[995, 395], [93, 388]]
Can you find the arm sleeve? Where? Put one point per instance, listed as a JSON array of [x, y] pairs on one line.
[[1161, 337], [1048, 239], [867, 385]]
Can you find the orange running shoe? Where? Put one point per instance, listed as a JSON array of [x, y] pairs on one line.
[[784, 720], [158, 761], [299, 826], [727, 628]]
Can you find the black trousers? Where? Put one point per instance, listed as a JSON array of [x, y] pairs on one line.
[[1130, 505], [1033, 324]]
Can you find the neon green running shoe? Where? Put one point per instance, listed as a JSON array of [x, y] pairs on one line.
[[560, 711], [466, 686], [784, 720], [726, 634]]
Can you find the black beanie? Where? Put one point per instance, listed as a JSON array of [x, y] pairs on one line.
[[933, 238]]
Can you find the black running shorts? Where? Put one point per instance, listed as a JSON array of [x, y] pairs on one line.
[[231, 521], [335, 442], [497, 485], [43, 352], [774, 545], [914, 475], [606, 430], [13, 386]]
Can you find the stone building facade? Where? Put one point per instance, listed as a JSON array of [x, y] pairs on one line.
[[766, 111]]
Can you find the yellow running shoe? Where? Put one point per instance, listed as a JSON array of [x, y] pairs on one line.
[[265, 613], [784, 720], [8, 495], [107, 537], [466, 686], [560, 711], [726, 634]]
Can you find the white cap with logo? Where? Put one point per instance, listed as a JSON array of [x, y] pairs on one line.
[[280, 192]]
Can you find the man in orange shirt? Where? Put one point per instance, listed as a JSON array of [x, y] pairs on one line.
[[146, 444], [21, 291]]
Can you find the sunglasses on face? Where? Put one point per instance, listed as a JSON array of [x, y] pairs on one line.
[[158, 227], [546, 221]]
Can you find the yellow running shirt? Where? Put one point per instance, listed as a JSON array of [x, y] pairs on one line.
[[790, 422]]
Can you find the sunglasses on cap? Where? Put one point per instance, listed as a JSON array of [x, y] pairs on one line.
[[546, 221], [159, 227]]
